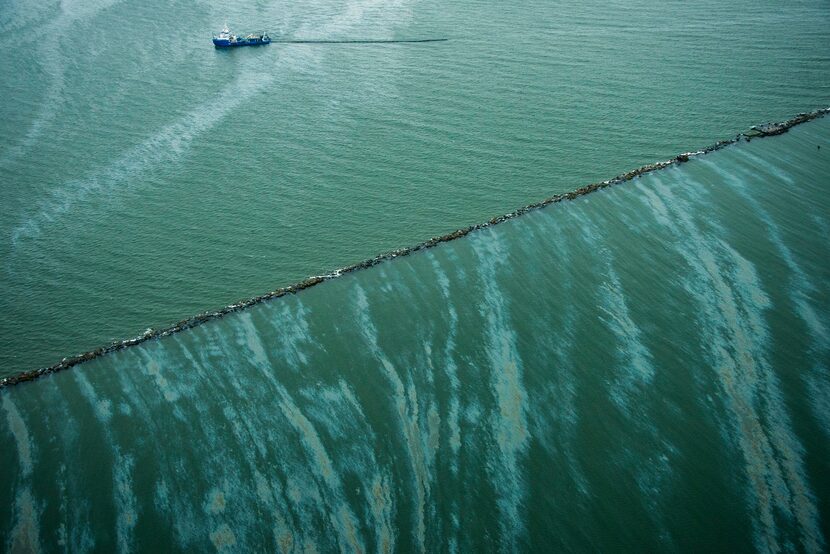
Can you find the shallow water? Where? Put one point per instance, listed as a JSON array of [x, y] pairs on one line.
[[148, 177], [643, 368]]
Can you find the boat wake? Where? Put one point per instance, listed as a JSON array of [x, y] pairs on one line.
[[361, 41]]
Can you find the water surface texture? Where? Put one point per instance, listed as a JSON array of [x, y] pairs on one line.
[[643, 368], [148, 177]]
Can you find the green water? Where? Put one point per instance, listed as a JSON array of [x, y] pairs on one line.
[[642, 369], [147, 176]]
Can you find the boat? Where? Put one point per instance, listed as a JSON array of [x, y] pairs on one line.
[[226, 39]]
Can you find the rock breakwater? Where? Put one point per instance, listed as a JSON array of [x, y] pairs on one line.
[[757, 131]]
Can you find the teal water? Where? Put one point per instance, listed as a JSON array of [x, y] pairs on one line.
[[148, 177], [645, 368]]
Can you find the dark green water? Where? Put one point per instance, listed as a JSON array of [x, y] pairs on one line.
[[147, 177], [642, 369]]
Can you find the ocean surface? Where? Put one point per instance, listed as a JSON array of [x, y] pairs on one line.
[[645, 368], [147, 176]]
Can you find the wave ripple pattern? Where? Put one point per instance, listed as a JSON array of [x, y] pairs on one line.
[[642, 368]]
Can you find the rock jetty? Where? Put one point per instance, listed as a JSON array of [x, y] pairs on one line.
[[757, 131]]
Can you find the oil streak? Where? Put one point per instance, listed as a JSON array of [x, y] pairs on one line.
[[732, 316], [509, 420], [406, 410], [25, 536]]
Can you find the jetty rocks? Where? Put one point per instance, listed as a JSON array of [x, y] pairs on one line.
[[757, 131]]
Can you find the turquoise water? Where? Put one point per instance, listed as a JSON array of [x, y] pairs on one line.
[[644, 368], [147, 177]]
